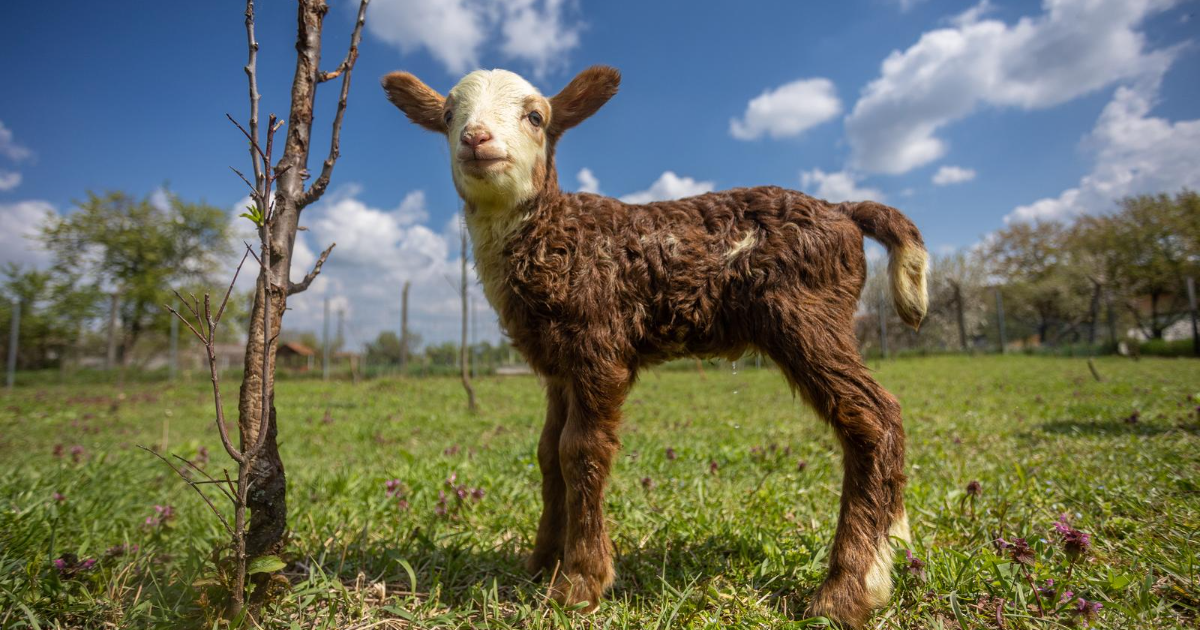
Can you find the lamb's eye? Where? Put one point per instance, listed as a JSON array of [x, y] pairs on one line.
[[448, 116], [535, 118]]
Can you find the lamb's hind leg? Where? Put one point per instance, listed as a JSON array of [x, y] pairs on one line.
[[552, 529], [821, 359]]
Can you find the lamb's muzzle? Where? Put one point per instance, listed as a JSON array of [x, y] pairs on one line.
[[591, 290]]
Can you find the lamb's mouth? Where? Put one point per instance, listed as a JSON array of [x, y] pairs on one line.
[[483, 166]]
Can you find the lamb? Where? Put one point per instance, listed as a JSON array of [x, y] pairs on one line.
[[592, 290]]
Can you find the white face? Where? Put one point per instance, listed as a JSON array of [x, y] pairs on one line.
[[497, 133]]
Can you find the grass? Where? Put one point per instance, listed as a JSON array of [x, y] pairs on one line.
[[740, 546]]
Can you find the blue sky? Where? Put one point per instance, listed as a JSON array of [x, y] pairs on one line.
[[964, 115]]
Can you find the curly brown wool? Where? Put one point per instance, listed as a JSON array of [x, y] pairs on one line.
[[593, 290]]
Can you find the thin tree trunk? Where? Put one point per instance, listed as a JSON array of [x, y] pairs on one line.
[[110, 357], [1095, 313], [1156, 330], [466, 368], [267, 498], [404, 327], [958, 307]]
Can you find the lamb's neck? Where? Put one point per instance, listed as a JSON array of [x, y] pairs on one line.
[[491, 228]]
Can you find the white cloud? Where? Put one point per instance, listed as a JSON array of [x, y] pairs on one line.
[[9, 148], [669, 186], [9, 180], [20, 223], [1073, 48], [588, 182], [947, 175], [788, 110], [454, 32], [1134, 152], [839, 186], [377, 251], [538, 36]]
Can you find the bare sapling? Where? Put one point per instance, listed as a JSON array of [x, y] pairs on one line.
[[278, 194], [465, 348]]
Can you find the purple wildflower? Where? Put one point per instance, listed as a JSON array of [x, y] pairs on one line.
[[647, 483], [69, 565], [916, 566], [477, 494], [58, 450], [77, 453], [1085, 612], [1047, 590], [671, 454], [402, 505], [116, 551], [440, 508], [460, 492], [713, 467], [451, 479], [1019, 550], [974, 488], [59, 497], [162, 514], [1133, 417], [1075, 543], [394, 487], [801, 466]]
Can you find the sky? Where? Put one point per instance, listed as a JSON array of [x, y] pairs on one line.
[[967, 116]]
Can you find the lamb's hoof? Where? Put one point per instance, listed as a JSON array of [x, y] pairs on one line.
[[542, 563], [578, 592], [842, 601]]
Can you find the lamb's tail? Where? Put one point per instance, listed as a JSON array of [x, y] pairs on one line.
[[907, 259]]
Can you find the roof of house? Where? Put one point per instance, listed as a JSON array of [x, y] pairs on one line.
[[295, 347]]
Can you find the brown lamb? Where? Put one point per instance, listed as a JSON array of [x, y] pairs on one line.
[[592, 290]]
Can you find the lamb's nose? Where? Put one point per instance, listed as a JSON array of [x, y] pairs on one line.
[[475, 138]]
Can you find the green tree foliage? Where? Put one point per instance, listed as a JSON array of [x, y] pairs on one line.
[[117, 243], [1045, 291], [388, 348], [1156, 244], [53, 311]]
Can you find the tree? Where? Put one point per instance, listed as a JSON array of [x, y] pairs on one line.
[[277, 215], [138, 250], [1041, 283], [52, 313], [391, 348], [465, 361], [1157, 244], [956, 301]]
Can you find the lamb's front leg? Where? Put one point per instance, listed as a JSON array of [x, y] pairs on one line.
[[552, 529], [586, 450]]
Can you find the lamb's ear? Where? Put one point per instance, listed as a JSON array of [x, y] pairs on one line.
[[421, 103], [582, 97]]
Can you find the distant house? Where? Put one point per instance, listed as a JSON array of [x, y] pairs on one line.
[[295, 355]]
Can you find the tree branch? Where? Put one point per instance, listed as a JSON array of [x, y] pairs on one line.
[[193, 486], [345, 69], [252, 78], [294, 287]]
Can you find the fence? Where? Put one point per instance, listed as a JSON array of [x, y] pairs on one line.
[[975, 321]]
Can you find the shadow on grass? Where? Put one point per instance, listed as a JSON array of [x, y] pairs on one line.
[[459, 573], [1114, 428]]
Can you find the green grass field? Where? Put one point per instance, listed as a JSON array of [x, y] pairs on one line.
[[731, 531]]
